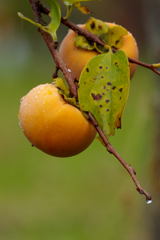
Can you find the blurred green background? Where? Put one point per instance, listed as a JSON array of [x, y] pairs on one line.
[[89, 196]]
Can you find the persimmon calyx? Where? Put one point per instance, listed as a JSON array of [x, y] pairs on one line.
[[111, 36], [65, 92]]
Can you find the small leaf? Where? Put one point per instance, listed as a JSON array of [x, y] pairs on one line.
[[115, 36], [111, 36], [83, 9], [84, 43], [75, 3], [98, 27], [61, 86], [55, 15], [64, 91], [104, 88], [156, 65]]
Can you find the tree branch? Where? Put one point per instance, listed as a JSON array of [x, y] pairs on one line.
[[111, 150], [37, 8], [52, 46], [94, 38]]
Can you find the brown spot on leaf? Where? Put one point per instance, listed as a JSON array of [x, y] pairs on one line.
[[87, 69], [92, 25], [107, 101], [104, 87], [117, 42], [100, 106], [99, 26], [121, 89], [119, 126], [103, 93], [109, 83], [96, 97], [100, 67], [107, 110], [113, 87]]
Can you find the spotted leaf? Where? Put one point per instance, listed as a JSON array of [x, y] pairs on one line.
[[104, 88]]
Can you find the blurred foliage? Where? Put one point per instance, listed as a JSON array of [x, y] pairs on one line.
[[89, 196]]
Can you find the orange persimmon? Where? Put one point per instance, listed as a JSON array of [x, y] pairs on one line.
[[52, 125], [76, 58]]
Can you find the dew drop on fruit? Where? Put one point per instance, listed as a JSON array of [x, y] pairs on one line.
[[21, 99]]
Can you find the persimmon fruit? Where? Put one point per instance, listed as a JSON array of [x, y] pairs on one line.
[[52, 125], [76, 58]]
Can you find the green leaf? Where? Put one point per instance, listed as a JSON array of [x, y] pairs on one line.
[[55, 15], [104, 88], [82, 42], [98, 28], [65, 92], [115, 36], [111, 36], [58, 82]]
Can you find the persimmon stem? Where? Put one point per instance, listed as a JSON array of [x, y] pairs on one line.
[[37, 8]]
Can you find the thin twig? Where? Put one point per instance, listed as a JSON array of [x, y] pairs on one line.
[[52, 46], [111, 150], [70, 79]]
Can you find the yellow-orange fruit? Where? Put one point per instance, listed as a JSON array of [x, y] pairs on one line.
[[76, 58], [53, 125]]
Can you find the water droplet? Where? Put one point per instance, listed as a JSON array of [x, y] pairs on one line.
[[21, 99], [148, 201], [69, 70], [25, 103]]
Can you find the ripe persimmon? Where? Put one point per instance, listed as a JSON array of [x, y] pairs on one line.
[[52, 125], [76, 57]]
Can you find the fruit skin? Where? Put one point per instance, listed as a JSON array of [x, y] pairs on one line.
[[76, 58], [52, 125]]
